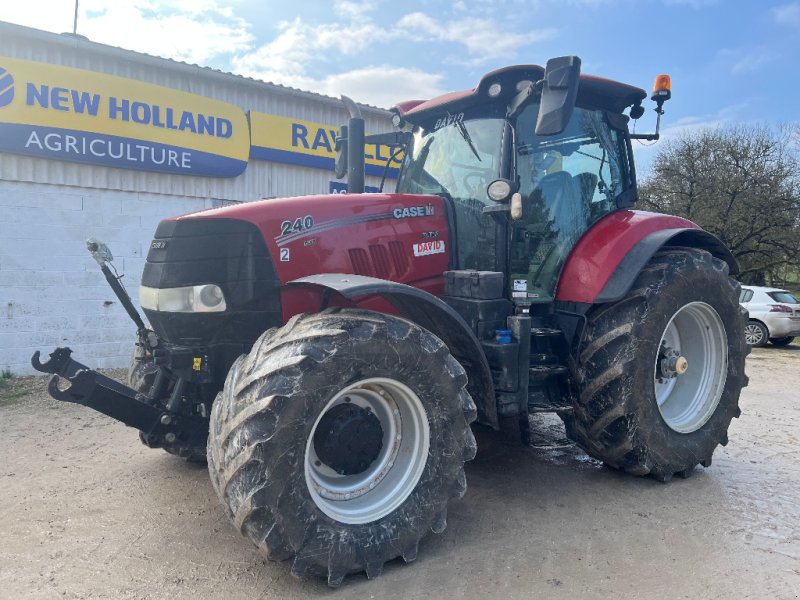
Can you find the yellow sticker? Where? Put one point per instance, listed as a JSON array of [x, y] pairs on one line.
[[197, 363]]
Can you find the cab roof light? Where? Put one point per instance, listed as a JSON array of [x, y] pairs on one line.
[[662, 89]]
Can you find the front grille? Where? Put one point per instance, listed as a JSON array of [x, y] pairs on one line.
[[227, 252]]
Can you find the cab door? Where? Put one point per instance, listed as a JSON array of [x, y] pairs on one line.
[[567, 183]]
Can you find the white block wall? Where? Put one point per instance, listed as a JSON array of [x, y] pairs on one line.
[[51, 291]]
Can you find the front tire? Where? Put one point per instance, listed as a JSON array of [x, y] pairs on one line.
[[661, 370], [339, 440]]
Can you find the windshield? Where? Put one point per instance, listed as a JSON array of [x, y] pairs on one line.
[[459, 158]]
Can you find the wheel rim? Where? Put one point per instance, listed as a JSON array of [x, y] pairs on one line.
[[753, 334], [690, 368], [393, 471]]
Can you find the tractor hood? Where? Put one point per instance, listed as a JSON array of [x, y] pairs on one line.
[[252, 250]]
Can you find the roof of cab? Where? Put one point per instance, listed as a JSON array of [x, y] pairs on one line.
[[592, 91]]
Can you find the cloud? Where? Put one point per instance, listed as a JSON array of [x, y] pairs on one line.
[[383, 85], [787, 14], [196, 31], [695, 4], [747, 60], [483, 39], [298, 46], [301, 53], [353, 9]]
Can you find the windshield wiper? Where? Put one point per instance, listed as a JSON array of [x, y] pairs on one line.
[[462, 129]]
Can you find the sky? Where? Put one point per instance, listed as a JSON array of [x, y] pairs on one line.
[[730, 61]]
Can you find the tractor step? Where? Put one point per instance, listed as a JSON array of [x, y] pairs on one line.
[[545, 332], [539, 372], [541, 402], [549, 408], [542, 358]]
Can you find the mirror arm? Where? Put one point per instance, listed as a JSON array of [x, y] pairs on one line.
[[652, 137]]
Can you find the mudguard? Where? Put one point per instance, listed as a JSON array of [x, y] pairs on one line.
[[429, 312], [606, 261]]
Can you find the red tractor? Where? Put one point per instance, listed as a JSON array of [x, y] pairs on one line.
[[328, 354]]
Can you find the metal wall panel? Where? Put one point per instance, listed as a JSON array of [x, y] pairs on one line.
[[261, 179]]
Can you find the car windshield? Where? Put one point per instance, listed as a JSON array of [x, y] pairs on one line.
[[783, 296], [457, 157]]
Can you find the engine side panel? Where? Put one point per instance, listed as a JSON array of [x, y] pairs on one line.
[[396, 237], [593, 261]]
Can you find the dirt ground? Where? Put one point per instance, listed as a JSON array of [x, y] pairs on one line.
[[86, 511]]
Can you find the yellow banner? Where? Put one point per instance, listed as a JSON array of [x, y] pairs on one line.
[[84, 116], [293, 141]]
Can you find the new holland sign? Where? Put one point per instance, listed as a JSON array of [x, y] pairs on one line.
[[75, 115], [292, 141]]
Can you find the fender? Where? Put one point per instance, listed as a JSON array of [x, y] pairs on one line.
[[431, 313], [606, 261]]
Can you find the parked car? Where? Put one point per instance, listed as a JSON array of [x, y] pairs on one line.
[[774, 315]]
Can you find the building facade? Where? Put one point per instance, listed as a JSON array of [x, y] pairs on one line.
[[97, 141]]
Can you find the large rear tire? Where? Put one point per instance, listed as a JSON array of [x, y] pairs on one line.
[[661, 370], [339, 440], [780, 342]]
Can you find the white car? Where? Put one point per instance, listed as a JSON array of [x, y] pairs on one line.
[[774, 315]]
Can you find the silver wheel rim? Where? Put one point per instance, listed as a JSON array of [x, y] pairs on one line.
[[392, 476], [691, 366], [753, 334]]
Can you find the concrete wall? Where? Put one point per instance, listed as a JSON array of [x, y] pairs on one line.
[[51, 291]]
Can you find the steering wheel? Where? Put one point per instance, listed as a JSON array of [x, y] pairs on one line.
[[478, 180]]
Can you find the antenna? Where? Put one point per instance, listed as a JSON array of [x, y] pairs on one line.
[[75, 20]]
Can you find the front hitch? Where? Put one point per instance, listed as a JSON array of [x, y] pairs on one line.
[[90, 388]]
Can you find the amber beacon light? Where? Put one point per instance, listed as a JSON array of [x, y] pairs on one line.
[[661, 89]]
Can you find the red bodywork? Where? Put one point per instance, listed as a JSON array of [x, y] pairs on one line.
[[375, 235], [598, 253], [364, 234]]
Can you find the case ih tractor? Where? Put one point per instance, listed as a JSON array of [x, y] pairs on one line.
[[328, 354]]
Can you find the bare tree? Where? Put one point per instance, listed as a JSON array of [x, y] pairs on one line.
[[740, 183]]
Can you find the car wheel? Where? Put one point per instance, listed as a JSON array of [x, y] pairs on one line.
[[781, 341], [756, 334]]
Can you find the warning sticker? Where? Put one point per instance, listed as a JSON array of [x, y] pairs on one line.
[[428, 248], [520, 285], [519, 295]]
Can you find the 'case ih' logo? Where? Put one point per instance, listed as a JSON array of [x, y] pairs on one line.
[[413, 211], [6, 88]]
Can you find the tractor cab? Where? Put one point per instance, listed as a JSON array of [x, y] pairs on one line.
[[481, 149]]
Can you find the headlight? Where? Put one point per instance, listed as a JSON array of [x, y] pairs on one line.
[[195, 298]]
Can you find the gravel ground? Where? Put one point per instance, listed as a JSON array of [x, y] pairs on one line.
[[86, 511]]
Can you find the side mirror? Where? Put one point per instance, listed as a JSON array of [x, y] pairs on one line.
[[559, 91]]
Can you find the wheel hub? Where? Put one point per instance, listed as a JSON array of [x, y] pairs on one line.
[[687, 397], [348, 438], [671, 364], [367, 450]]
